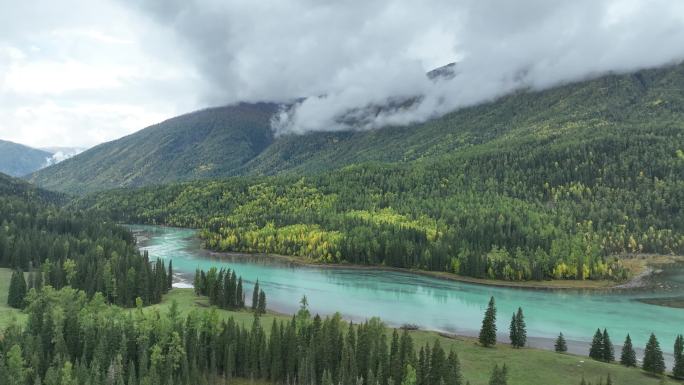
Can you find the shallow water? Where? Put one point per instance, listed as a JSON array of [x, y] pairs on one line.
[[431, 303]]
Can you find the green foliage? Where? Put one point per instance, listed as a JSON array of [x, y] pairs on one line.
[[597, 346], [499, 375], [608, 349], [66, 247], [561, 346], [678, 369], [224, 289], [488, 331], [518, 331], [628, 355], [17, 290], [92, 341], [653, 356]]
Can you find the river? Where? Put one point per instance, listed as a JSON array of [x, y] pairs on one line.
[[435, 304]]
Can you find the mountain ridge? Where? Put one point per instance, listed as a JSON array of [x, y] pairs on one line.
[[237, 140]]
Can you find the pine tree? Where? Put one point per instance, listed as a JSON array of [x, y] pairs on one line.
[[653, 356], [255, 296], [169, 277], [499, 375], [608, 350], [561, 346], [513, 332], [17, 290], [261, 306], [678, 368], [518, 330], [628, 356], [197, 283], [596, 350], [488, 332], [239, 296]]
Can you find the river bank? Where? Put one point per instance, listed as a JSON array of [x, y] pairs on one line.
[[641, 279]]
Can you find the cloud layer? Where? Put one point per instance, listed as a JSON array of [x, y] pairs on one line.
[[344, 56], [77, 78]]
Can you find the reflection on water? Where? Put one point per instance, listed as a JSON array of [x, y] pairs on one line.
[[431, 303]]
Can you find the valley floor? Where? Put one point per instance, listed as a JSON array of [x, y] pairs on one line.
[[527, 366]]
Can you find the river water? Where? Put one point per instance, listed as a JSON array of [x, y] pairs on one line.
[[404, 298]]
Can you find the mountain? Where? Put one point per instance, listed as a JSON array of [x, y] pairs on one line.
[[237, 140], [202, 144], [15, 187], [19, 160]]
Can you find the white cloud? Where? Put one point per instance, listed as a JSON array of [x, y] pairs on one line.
[[115, 65], [79, 72]]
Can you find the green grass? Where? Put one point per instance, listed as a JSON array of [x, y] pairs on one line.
[[526, 366], [7, 314]]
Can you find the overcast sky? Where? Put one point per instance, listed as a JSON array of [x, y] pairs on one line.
[[80, 72]]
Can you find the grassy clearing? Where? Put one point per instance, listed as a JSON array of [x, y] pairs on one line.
[[7, 314]]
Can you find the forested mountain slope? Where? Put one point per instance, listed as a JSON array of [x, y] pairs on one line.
[[19, 160], [65, 247], [203, 144], [553, 203], [237, 141]]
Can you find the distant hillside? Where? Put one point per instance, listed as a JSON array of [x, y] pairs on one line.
[[203, 144], [14, 187], [19, 160], [237, 140]]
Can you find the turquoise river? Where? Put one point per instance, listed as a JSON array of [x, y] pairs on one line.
[[435, 304]]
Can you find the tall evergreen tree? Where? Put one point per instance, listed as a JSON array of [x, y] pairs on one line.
[[596, 349], [499, 375], [628, 355], [255, 296], [513, 332], [261, 306], [653, 356], [169, 276], [518, 331], [608, 350], [678, 368], [561, 346], [17, 290], [488, 331]]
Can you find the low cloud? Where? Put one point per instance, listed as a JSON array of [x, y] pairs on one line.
[[337, 62]]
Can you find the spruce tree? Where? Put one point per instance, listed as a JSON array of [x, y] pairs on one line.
[[499, 375], [628, 356], [239, 296], [261, 306], [608, 350], [255, 296], [596, 350], [488, 332], [17, 290], [513, 332], [653, 356], [561, 346], [169, 277], [521, 329], [678, 368]]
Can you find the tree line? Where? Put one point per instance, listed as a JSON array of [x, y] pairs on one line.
[[65, 247], [71, 339], [225, 290]]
